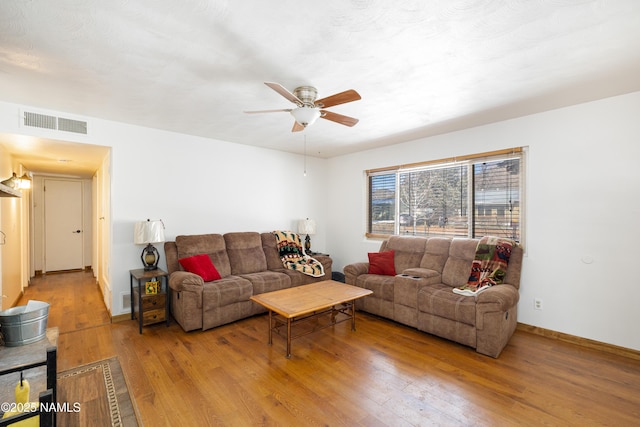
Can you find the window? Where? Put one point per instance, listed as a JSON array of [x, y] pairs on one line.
[[471, 197]]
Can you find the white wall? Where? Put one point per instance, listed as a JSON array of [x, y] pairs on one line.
[[197, 185], [583, 211]]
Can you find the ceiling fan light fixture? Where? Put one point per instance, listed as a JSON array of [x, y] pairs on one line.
[[308, 109], [305, 115]]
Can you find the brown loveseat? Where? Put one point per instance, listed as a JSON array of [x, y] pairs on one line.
[[248, 263], [421, 294]]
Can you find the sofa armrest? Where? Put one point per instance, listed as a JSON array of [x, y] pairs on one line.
[[496, 318], [498, 298], [352, 271], [183, 280], [326, 261], [180, 281]]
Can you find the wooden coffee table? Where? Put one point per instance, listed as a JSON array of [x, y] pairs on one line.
[[304, 303]]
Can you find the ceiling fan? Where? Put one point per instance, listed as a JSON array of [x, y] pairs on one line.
[[308, 109]]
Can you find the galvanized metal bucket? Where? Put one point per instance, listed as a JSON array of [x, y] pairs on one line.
[[24, 324]]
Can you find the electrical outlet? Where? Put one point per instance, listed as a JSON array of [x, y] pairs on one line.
[[537, 303]]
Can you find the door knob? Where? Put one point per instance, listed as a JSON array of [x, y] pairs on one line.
[[77, 231]]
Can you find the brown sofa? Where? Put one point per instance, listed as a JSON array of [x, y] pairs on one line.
[[248, 263], [421, 294]]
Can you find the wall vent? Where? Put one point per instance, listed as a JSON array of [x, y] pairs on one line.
[[125, 301], [44, 121], [40, 120], [69, 125]]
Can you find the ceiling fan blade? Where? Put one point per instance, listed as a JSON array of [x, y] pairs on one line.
[[338, 118], [269, 111], [284, 92], [297, 127], [339, 98]]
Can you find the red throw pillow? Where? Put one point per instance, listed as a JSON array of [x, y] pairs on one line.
[[382, 263], [202, 266]]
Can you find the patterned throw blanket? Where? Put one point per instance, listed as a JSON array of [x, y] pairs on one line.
[[293, 256], [489, 266]]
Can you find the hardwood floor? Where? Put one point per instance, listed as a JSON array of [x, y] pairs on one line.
[[384, 374]]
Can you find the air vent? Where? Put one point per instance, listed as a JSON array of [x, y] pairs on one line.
[[125, 301], [44, 121], [69, 125], [40, 120]]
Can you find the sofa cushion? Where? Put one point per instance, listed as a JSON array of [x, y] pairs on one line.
[[268, 281], [210, 244], [202, 266], [436, 253], [461, 254], [438, 300], [270, 248], [382, 263], [245, 253], [382, 286], [408, 251], [227, 291]]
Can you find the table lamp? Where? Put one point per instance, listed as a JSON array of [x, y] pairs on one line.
[[308, 227], [146, 233]]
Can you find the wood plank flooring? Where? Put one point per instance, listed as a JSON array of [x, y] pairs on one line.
[[384, 374]]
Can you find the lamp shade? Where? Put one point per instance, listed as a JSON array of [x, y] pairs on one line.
[[307, 226], [306, 115], [25, 181], [149, 231]]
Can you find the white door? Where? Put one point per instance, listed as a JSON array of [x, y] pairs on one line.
[[63, 225]]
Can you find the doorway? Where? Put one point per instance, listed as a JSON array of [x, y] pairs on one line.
[[63, 225], [46, 158]]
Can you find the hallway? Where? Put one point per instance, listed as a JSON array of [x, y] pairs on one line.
[[77, 309]]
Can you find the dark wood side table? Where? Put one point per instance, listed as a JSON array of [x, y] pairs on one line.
[[151, 308]]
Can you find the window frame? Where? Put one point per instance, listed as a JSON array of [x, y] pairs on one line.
[[469, 160]]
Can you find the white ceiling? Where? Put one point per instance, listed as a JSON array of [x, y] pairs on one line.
[[422, 67]]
